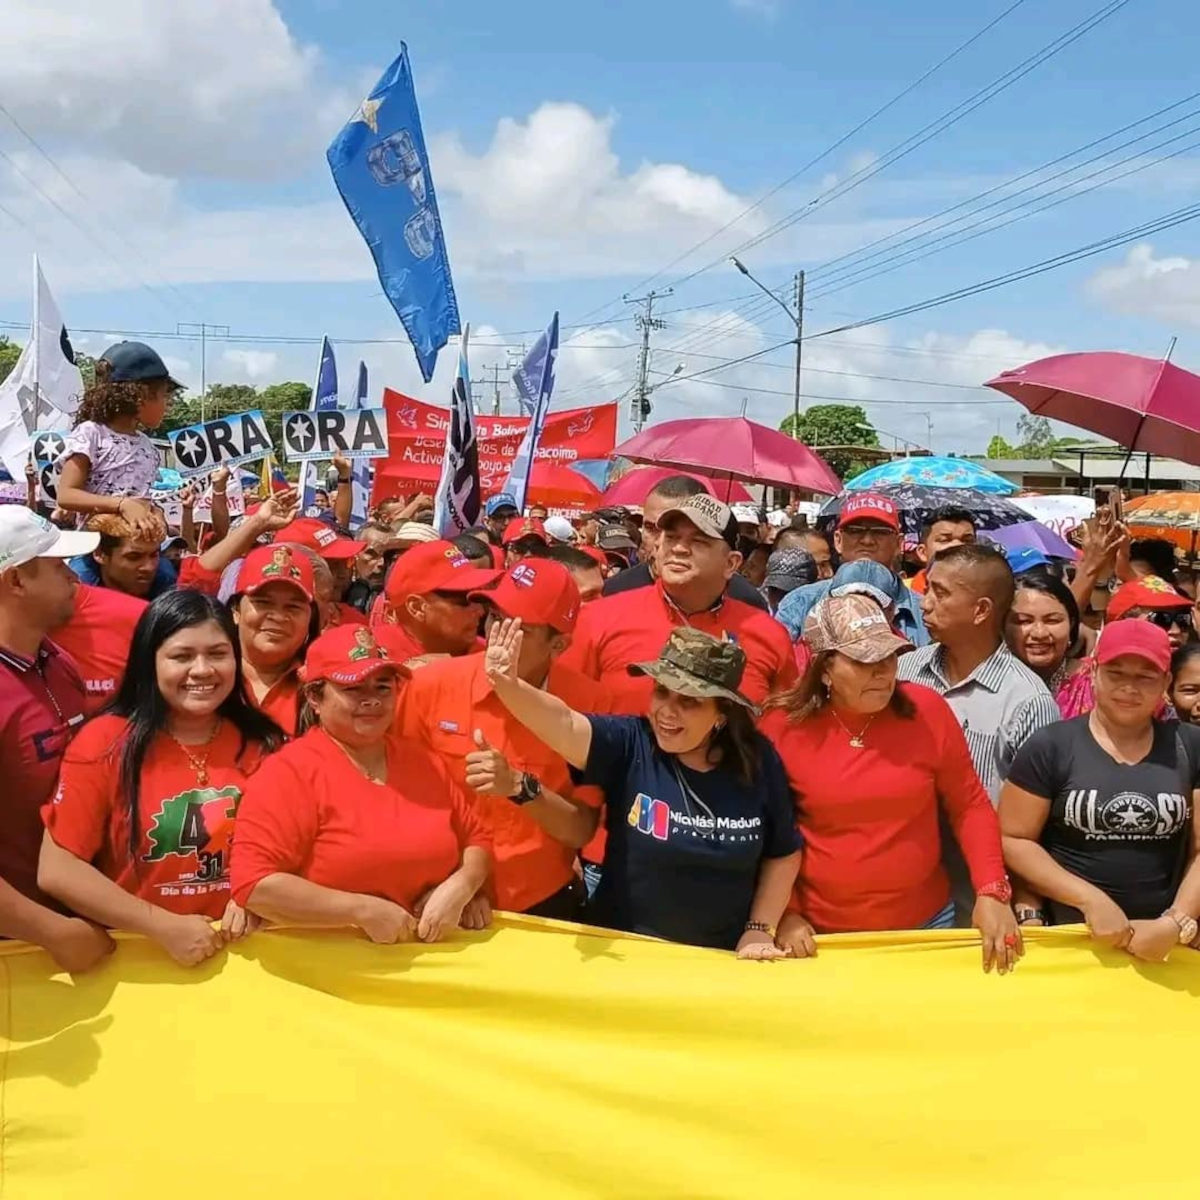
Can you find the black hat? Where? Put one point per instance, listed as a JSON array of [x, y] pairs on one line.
[[135, 362]]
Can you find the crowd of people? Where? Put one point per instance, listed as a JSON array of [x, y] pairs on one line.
[[690, 721]]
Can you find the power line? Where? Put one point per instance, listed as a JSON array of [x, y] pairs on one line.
[[737, 387], [1170, 220], [812, 162]]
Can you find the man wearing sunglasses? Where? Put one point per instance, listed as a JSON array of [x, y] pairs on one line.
[[428, 608], [1153, 599]]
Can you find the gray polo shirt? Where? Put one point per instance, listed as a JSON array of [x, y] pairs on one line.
[[998, 706]]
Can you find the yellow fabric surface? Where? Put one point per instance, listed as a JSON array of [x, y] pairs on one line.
[[542, 1060]]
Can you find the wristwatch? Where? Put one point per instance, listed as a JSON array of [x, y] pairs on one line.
[[1026, 913], [1188, 927], [530, 789], [999, 889]]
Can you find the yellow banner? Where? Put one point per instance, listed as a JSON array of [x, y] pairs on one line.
[[540, 1061]]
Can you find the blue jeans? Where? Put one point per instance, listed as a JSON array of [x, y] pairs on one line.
[[942, 920]]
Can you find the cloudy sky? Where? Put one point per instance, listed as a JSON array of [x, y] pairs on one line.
[[166, 161]]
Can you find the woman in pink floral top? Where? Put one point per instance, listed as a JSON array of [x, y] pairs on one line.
[[108, 463]]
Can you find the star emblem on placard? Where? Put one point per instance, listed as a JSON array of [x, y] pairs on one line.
[[47, 447], [367, 114], [189, 449], [300, 432]]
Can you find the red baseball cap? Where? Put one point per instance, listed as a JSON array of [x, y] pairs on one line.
[[870, 506], [523, 527], [1151, 592], [1138, 638], [539, 591], [316, 535], [596, 555], [434, 567], [275, 564], [346, 654]]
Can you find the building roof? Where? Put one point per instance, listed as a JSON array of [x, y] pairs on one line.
[[1097, 467], [1026, 466]]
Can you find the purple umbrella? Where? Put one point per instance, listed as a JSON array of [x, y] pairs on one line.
[[1033, 535]]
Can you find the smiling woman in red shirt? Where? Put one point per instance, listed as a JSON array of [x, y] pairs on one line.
[[350, 827], [871, 762], [277, 617], [138, 833]]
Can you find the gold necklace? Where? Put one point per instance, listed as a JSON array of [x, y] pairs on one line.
[[366, 772], [198, 760], [856, 739]]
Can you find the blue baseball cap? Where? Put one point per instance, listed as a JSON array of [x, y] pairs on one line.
[[499, 501], [1025, 559], [135, 362]]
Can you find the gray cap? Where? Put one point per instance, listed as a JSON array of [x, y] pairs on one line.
[[789, 569]]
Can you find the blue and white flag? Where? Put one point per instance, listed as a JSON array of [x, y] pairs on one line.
[[457, 501], [381, 169], [360, 473], [537, 368], [325, 396]]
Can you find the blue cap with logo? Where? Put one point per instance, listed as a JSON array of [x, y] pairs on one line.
[[499, 501], [135, 362]]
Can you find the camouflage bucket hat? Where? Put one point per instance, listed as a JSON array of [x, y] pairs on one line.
[[693, 663]]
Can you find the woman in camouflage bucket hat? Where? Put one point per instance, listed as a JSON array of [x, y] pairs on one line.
[[701, 845]]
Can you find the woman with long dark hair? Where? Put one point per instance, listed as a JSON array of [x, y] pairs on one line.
[[701, 847], [108, 463], [1043, 627], [1185, 683], [138, 834], [872, 762]]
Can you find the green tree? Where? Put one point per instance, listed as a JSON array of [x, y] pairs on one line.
[[999, 448], [279, 398], [9, 353], [87, 368], [1036, 435], [834, 425]]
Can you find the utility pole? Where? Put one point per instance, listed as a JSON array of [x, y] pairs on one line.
[[646, 321], [496, 371], [204, 329], [799, 346]]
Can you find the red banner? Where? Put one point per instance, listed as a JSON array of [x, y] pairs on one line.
[[417, 438]]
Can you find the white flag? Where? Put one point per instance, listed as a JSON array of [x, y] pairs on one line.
[[44, 387], [456, 503]]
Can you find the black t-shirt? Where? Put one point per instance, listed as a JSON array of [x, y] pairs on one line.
[[1123, 827], [740, 588], [678, 866]]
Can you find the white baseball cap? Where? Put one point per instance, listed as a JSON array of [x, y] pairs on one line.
[[25, 536], [560, 529]]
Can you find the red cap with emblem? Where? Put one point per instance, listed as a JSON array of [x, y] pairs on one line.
[[1151, 591], [317, 535], [265, 565], [523, 527], [870, 506], [539, 591], [345, 654], [434, 567]]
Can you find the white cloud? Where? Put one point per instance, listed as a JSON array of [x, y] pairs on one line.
[[1166, 289], [190, 87], [249, 366]]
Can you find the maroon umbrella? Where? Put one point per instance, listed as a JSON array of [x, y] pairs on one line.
[[1143, 404], [636, 484], [732, 448]]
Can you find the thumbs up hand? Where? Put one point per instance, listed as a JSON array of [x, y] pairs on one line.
[[488, 771]]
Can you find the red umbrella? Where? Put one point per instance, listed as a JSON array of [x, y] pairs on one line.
[[634, 486], [558, 486], [730, 448], [1143, 404]]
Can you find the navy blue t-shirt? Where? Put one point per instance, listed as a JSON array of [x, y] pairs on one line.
[[679, 868]]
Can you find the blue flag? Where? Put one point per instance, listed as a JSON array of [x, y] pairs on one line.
[[528, 376], [457, 502], [325, 396], [360, 473], [381, 169], [545, 352]]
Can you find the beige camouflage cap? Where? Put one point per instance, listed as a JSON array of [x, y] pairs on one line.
[[694, 663], [853, 625]]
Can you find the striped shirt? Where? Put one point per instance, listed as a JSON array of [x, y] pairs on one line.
[[999, 705]]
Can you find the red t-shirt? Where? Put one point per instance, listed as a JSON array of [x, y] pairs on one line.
[[281, 702], [347, 614], [184, 830], [197, 578], [634, 626], [42, 704], [98, 637], [869, 817], [311, 812], [441, 706]]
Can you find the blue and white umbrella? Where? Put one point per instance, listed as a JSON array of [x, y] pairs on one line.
[[929, 471]]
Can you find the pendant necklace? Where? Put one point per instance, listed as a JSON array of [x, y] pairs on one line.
[[198, 756], [856, 739]]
